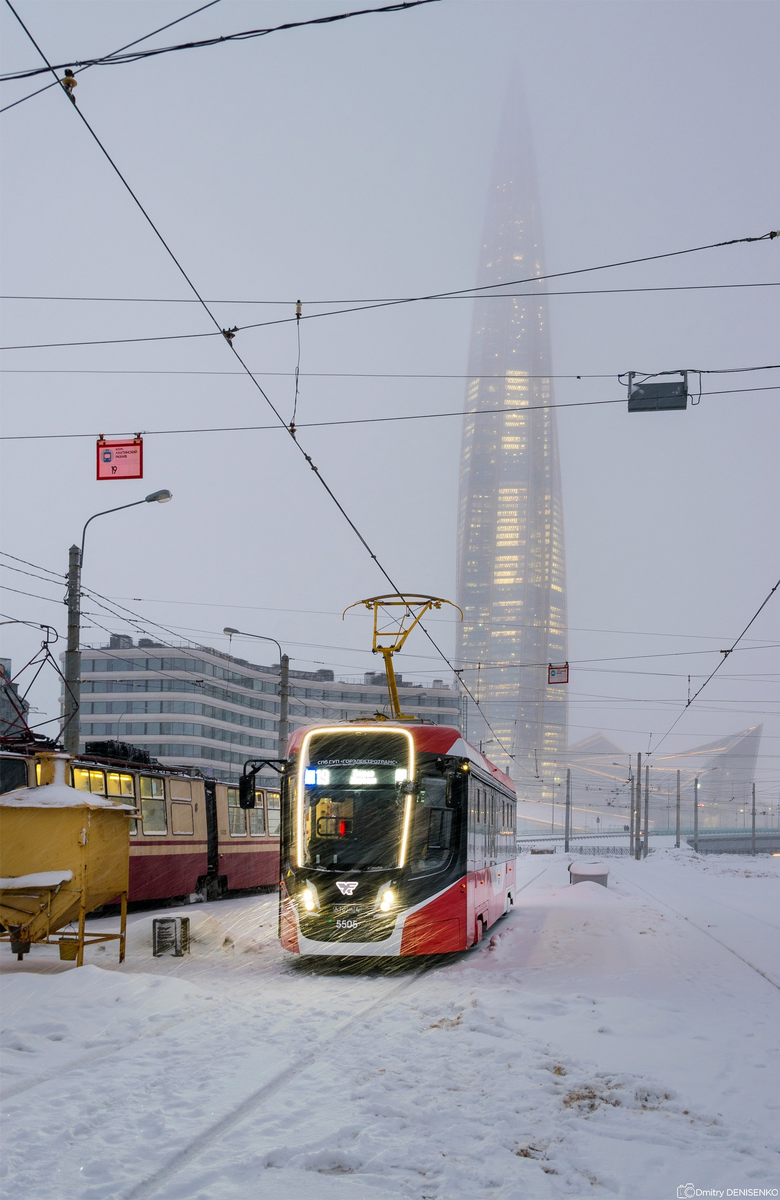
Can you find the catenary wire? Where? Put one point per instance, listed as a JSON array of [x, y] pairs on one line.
[[229, 337], [118, 58], [515, 377], [479, 412], [691, 287], [127, 46], [725, 654], [336, 312]]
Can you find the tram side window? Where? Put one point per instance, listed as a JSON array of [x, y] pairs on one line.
[[120, 784], [274, 813], [154, 819], [236, 814], [257, 817], [431, 839], [181, 817], [86, 780], [13, 774]]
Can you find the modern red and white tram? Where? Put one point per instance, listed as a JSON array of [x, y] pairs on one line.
[[398, 839]]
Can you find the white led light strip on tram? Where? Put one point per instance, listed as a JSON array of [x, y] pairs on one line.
[[302, 762]]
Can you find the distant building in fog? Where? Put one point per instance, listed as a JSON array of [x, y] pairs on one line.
[[511, 567], [725, 769], [198, 707]]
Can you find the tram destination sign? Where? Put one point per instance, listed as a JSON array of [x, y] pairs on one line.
[[122, 459]]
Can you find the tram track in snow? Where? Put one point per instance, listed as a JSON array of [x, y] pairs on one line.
[[147, 1187], [630, 883], [207, 1137]]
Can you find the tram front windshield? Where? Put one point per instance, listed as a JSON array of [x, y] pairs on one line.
[[354, 799]]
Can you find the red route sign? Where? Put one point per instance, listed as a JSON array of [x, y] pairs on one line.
[[558, 674], [121, 459]]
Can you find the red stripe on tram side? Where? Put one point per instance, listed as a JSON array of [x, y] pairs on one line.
[[439, 927], [158, 876], [257, 868]]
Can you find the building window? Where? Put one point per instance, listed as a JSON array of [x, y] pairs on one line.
[[153, 816], [236, 814]]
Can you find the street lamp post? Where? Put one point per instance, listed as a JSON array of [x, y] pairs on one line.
[[70, 726], [284, 686]]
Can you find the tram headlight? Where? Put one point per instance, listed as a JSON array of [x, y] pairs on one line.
[[309, 900], [387, 900]]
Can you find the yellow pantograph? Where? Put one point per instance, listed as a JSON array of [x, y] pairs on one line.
[[392, 628]]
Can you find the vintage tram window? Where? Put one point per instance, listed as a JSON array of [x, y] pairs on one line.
[[236, 814], [13, 774], [257, 817], [154, 819], [274, 815], [180, 789], [431, 838], [86, 780], [120, 784], [181, 818]]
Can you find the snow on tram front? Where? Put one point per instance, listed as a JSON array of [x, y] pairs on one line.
[[397, 839]]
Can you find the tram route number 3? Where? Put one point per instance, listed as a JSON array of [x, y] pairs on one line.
[[120, 459]]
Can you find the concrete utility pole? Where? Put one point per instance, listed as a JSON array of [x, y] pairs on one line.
[[567, 823], [284, 706], [70, 714], [753, 824], [638, 800], [677, 819], [647, 811], [70, 721], [696, 814], [631, 814]]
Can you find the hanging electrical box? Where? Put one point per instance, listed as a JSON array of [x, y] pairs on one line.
[[652, 396]]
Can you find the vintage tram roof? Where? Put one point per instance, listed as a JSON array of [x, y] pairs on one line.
[[428, 739]]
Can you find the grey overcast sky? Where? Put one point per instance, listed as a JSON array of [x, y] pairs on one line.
[[352, 161]]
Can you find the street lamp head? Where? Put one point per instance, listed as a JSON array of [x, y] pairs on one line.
[[230, 631], [162, 497]]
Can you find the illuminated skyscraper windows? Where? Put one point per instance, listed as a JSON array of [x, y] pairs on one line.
[[511, 561]]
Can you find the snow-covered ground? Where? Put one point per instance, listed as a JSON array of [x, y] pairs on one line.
[[619, 1042]]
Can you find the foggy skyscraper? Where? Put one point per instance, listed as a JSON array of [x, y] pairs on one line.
[[511, 566]]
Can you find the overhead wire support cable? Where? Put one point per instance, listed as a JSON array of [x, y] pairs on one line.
[[725, 654], [228, 336], [118, 58], [685, 287], [471, 412], [106, 57]]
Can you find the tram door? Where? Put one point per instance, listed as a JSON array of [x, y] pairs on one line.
[[212, 849]]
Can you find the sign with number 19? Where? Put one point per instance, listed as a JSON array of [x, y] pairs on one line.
[[121, 459]]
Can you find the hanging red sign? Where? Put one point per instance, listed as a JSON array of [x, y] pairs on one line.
[[559, 674], [121, 459]]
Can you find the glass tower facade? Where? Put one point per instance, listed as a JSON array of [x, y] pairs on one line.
[[511, 566]]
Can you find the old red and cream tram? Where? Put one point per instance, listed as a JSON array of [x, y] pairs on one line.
[[398, 838], [189, 836]]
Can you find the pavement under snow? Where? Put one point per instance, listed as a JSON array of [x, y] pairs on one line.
[[603, 1042]]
